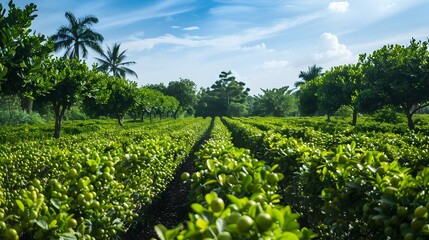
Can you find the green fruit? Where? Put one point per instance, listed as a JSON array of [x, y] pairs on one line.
[[217, 205], [3, 225], [402, 211], [389, 231], [409, 236], [244, 223], [420, 211], [233, 217], [224, 236], [390, 191], [11, 234], [272, 178], [185, 176], [417, 223], [71, 223], [264, 221]]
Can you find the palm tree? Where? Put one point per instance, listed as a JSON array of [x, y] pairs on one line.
[[113, 62], [77, 36], [312, 73]]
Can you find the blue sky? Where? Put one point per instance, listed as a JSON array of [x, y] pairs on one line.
[[264, 42]]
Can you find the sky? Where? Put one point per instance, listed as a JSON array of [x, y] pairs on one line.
[[265, 43]]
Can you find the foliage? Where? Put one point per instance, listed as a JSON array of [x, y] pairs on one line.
[[184, 91], [235, 197], [308, 100], [278, 102], [65, 83], [77, 36], [89, 186], [114, 62], [398, 76], [312, 73], [21, 51], [224, 92], [346, 189]]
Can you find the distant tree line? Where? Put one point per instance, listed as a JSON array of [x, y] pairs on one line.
[[394, 76]]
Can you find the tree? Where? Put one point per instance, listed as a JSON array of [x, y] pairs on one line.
[[217, 100], [277, 102], [398, 76], [21, 51], [312, 73], [122, 97], [65, 81], [184, 91], [330, 92], [114, 62], [307, 98], [77, 36]]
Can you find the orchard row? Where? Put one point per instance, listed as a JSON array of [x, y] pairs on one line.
[[91, 185], [345, 184]]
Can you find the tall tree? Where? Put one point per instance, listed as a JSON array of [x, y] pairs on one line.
[[398, 76], [77, 36], [66, 82], [307, 98], [113, 61], [306, 76], [21, 51], [185, 92], [277, 102], [226, 97]]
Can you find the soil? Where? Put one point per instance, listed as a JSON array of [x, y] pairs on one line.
[[172, 205]]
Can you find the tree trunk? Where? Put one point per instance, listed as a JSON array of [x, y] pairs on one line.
[[59, 114], [410, 120], [329, 117], [142, 117], [150, 116], [28, 104], [355, 113], [121, 119], [176, 112]]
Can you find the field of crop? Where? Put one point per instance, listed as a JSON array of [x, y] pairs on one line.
[[248, 178]]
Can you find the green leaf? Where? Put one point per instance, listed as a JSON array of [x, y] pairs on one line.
[[210, 165], [198, 208], [56, 203], [210, 196], [210, 182], [221, 224], [160, 231], [67, 236], [202, 224], [53, 224], [221, 178], [289, 236], [42, 224], [20, 204]]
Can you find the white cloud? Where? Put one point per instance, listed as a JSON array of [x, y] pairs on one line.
[[388, 7], [330, 48], [222, 43], [191, 28], [274, 64], [339, 6], [175, 27], [260, 46]]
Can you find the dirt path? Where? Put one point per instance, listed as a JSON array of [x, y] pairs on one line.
[[172, 206]]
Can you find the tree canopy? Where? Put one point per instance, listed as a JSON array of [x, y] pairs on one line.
[[277, 102], [113, 61], [77, 36], [226, 97], [397, 75]]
